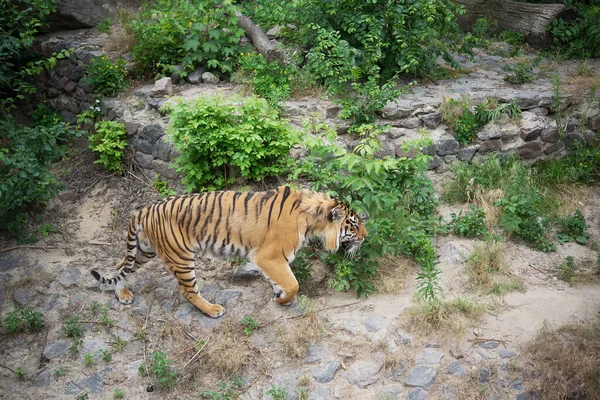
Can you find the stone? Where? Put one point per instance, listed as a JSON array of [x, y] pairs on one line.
[[518, 386], [209, 291], [490, 146], [554, 148], [530, 395], [274, 32], [409, 123], [450, 253], [364, 373], [467, 153], [506, 353], [455, 368], [490, 344], [592, 138], [572, 124], [432, 121], [550, 133], [431, 345], [397, 371], [571, 138], [531, 126], [374, 322], [447, 145], [435, 163], [210, 78], [324, 373], [92, 346], [75, 73], [162, 150], [450, 159], [195, 77], [246, 271], [23, 296], [132, 127], [386, 148], [485, 353], [132, 369], [529, 99], [183, 313], [42, 379], [164, 169], [431, 150], [315, 354], [228, 297], [152, 132], [52, 92], [144, 91], [484, 375], [320, 392], [429, 356], [332, 111], [140, 306], [144, 160], [142, 145], [176, 74], [390, 391], [417, 394], [401, 108], [73, 14], [422, 376], [162, 87], [156, 103], [530, 150], [56, 349], [68, 116], [289, 382], [593, 122], [69, 277], [408, 154], [92, 384], [352, 327], [540, 111], [490, 131]]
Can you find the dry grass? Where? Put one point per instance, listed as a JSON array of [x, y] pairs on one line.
[[571, 197], [392, 273], [120, 39], [447, 319], [565, 363], [485, 200], [296, 334], [227, 351], [487, 272]]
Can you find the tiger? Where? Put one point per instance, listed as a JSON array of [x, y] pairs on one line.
[[267, 228]]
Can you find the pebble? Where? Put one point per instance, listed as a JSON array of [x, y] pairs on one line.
[[364, 373], [422, 376], [324, 373], [506, 353], [455, 368], [429, 356], [417, 394], [315, 354], [56, 349], [373, 323]]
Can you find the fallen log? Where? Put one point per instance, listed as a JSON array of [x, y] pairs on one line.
[[505, 15], [260, 40]]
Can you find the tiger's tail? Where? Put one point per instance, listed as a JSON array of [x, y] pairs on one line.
[[125, 265]]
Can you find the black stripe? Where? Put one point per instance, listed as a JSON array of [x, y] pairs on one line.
[[235, 197], [271, 210], [248, 196], [193, 278], [295, 205], [283, 254], [286, 193], [131, 246]]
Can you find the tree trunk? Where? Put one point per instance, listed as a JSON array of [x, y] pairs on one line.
[[506, 15], [260, 41]]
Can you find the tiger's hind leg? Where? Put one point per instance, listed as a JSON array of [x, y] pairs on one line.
[[185, 274], [145, 252]]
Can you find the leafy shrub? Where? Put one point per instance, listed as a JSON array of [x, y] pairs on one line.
[[277, 393], [466, 120], [512, 37], [249, 324], [26, 153], [23, 319], [573, 228], [105, 25], [580, 165], [399, 222], [192, 32], [108, 143], [162, 187], [471, 224], [162, 373], [579, 38], [223, 391], [72, 327], [108, 77], [220, 138], [567, 269], [521, 72], [302, 264], [270, 79]]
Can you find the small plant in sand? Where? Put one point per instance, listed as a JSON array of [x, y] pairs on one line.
[[567, 269], [249, 324], [224, 391]]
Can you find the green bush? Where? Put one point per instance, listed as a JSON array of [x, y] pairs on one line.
[[567, 269], [521, 72], [387, 190], [26, 153], [23, 319], [162, 373], [219, 139], [579, 38], [192, 32], [471, 224], [108, 77], [269, 79], [108, 143], [573, 228]]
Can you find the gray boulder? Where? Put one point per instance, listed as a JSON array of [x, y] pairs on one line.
[[74, 14]]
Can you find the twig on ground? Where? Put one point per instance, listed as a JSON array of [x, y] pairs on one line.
[[483, 340], [99, 243], [263, 324], [197, 353], [8, 368], [27, 247]]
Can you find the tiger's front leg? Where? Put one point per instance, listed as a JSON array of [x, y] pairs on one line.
[[278, 271]]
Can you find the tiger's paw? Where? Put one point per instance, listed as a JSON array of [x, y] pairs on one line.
[[215, 311], [125, 296]]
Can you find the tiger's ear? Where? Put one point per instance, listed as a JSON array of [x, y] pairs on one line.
[[335, 214]]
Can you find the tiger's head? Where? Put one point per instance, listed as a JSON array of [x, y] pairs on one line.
[[352, 230]]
